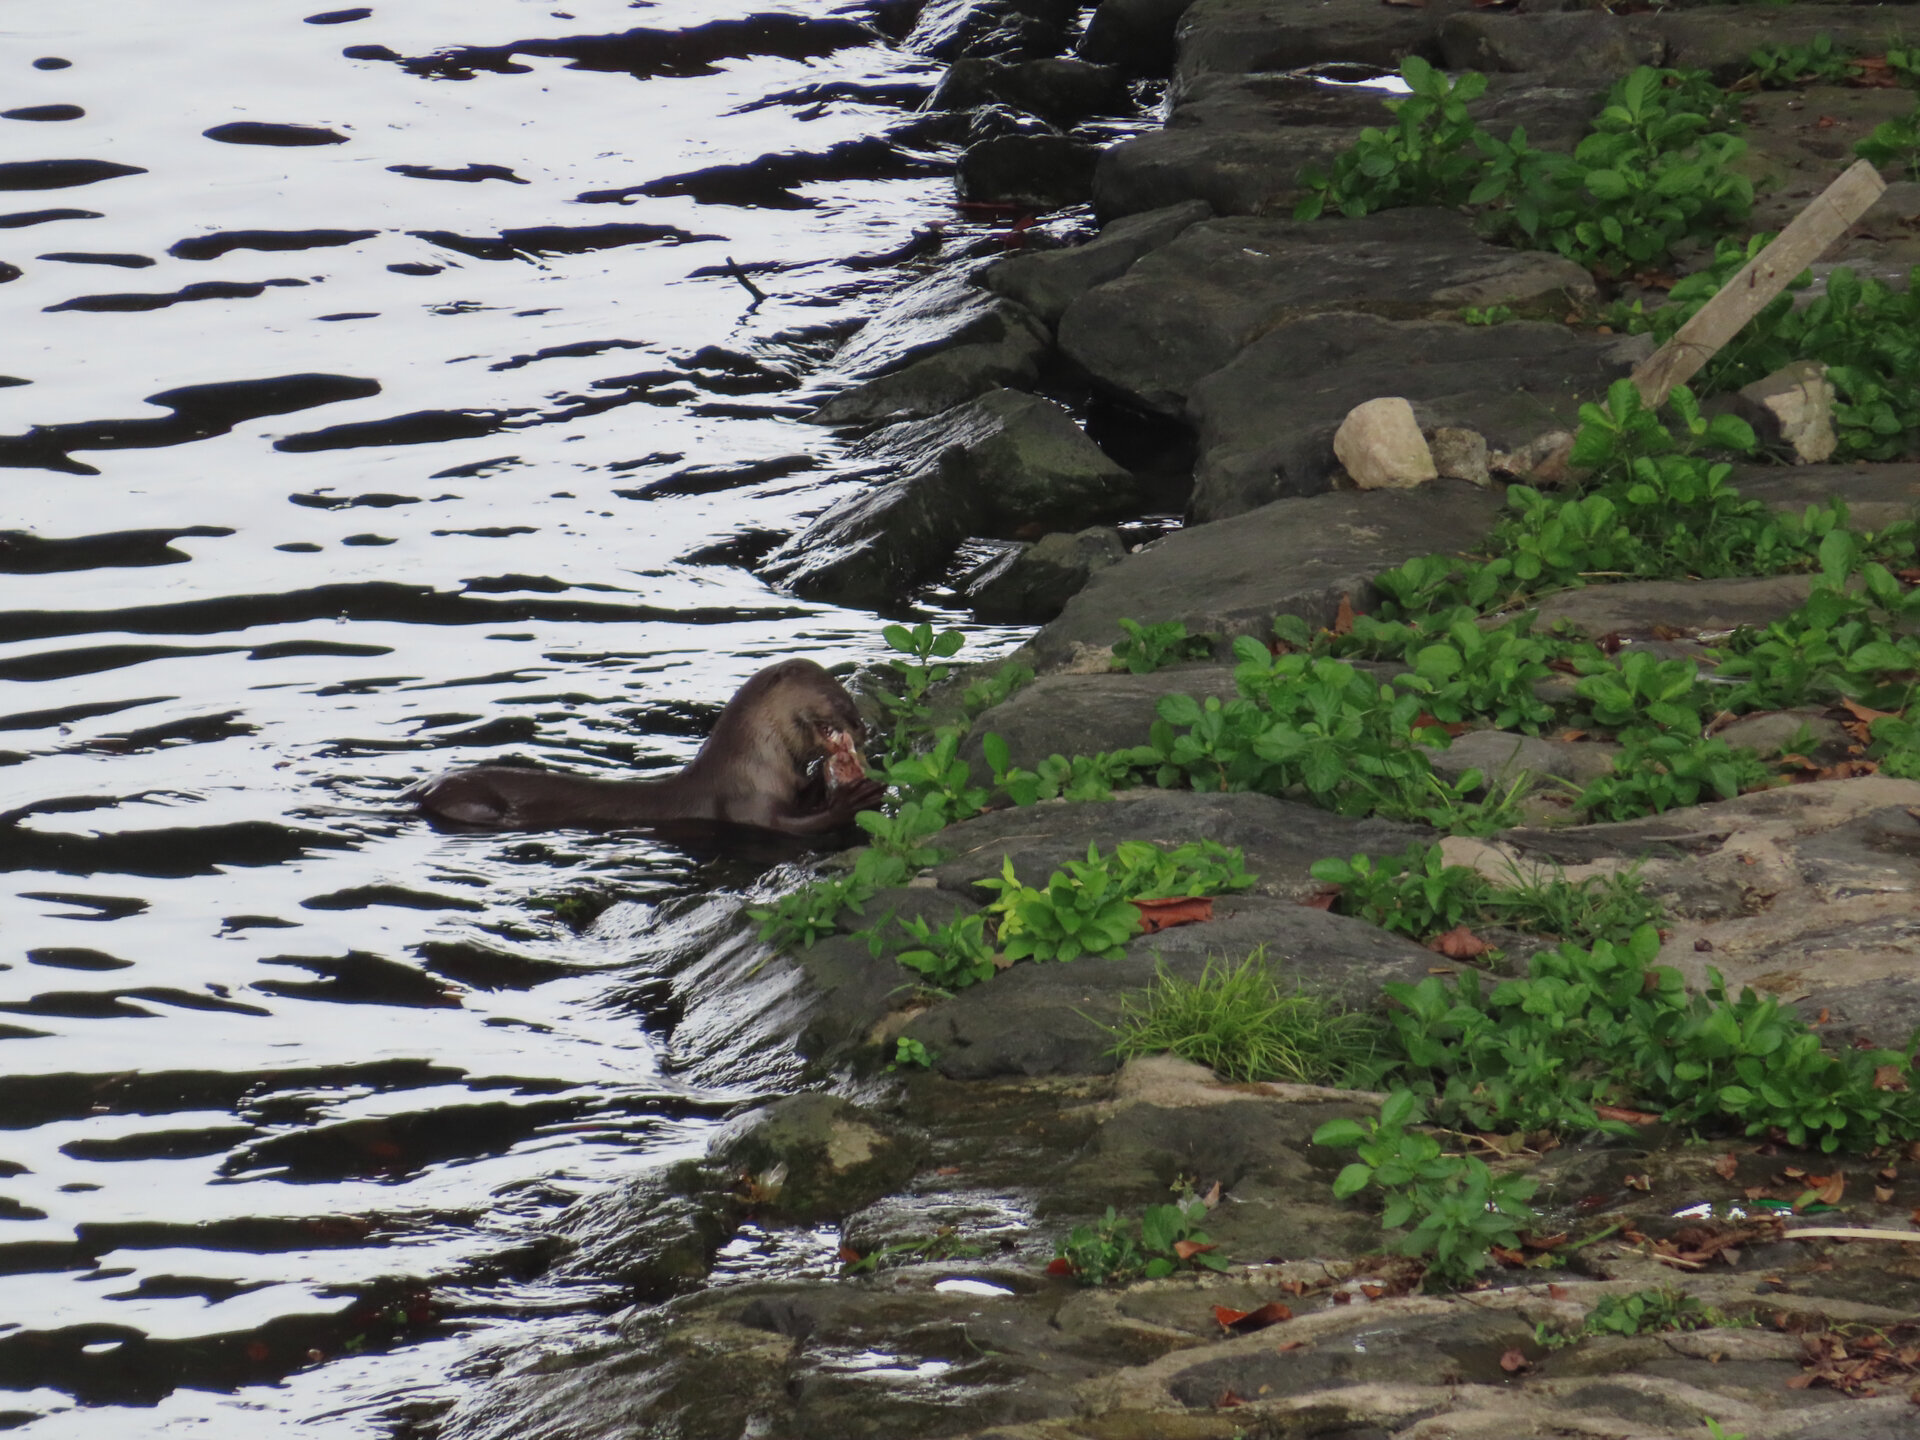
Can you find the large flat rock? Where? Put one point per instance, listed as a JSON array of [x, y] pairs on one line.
[[1877, 495], [1054, 1019], [1267, 418], [1086, 714], [1186, 309], [1281, 838], [1240, 141], [1293, 557], [1807, 892], [1637, 608], [1048, 281]]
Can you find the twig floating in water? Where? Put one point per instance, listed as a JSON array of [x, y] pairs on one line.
[[733, 269]]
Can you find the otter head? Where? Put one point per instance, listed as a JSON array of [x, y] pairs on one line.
[[796, 713]]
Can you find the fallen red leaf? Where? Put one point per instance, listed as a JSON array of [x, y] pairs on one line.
[[1158, 915], [1642, 1183], [1544, 1242], [1343, 617], [1459, 943], [1323, 901], [1187, 1249], [1228, 1400], [1245, 1322], [1513, 1362], [850, 1256], [1727, 1166], [1558, 1292], [1060, 1265]]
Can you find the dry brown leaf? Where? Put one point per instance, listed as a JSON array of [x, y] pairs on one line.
[[1631, 1117], [1642, 1183], [1459, 943], [1323, 901], [1513, 1362], [1727, 1166], [1558, 1292], [1889, 1077], [1883, 1195], [1343, 617], [1158, 915]]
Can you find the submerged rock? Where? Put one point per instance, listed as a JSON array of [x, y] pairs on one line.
[[1058, 91], [994, 466], [813, 1157], [1037, 172]]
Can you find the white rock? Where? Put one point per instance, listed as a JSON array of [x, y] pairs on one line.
[[1381, 446], [1801, 399]]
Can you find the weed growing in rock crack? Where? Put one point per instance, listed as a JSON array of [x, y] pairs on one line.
[[1656, 169], [1644, 1312], [1418, 894], [1656, 773], [944, 1244], [1606, 1026], [1240, 1022], [1320, 729], [917, 671], [1086, 908], [1116, 1251], [1084, 777], [1866, 332], [1455, 1208], [1894, 142], [1854, 638], [910, 1054], [1143, 649], [951, 956], [1787, 67], [1490, 315]]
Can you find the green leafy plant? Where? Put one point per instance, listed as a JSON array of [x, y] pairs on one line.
[[1086, 908], [1657, 773], [916, 671], [1112, 1251], [1604, 1025], [1427, 157], [1144, 649], [1816, 62], [944, 1244], [938, 780], [995, 689], [910, 1054], [1490, 315], [952, 955], [1084, 777], [1471, 671], [1894, 142], [1640, 694], [1081, 911], [1454, 1207], [1417, 894], [1644, 1312], [1239, 1021]]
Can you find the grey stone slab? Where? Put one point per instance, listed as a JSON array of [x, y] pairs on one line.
[[1293, 557], [1281, 839], [1267, 418], [1048, 281], [1635, 608], [1188, 308], [1877, 495], [1086, 714]]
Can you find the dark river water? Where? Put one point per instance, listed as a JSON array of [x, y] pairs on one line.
[[367, 414]]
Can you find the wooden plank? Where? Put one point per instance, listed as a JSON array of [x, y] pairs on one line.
[[1824, 220]]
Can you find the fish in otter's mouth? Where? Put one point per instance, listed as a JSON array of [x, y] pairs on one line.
[[844, 763]]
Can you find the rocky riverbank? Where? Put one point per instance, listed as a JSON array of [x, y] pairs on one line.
[[872, 1258]]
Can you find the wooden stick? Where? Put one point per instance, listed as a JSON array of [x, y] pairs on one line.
[[1824, 220], [1852, 1232], [734, 270]]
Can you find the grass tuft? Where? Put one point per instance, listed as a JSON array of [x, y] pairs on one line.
[[1242, 1023]]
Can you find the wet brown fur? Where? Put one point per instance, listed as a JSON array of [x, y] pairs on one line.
[[766, 764]]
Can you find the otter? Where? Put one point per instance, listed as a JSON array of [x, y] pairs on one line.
[[784, 756]]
